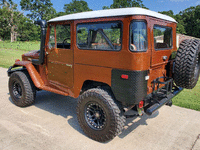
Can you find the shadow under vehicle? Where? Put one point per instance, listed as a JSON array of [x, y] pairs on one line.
[[113, 60]]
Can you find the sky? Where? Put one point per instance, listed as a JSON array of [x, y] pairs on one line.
[[155, 5]]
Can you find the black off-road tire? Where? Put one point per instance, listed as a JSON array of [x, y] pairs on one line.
[[114, 120], [21, 88], [187, 64]]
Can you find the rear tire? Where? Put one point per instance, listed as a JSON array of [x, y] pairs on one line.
[[21, 88], [187, 64], [99, 116]]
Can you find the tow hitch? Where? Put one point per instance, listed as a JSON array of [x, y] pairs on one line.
[[162, 95]]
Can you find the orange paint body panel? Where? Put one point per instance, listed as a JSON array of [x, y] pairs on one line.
[[66, 70]]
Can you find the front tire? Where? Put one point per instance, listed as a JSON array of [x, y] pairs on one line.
[[21, 88], [99, 116]]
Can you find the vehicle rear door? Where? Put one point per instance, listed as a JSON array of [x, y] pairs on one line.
[[163, 43]]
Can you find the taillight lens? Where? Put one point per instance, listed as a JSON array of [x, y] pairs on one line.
[[141, 104], [124, 76]]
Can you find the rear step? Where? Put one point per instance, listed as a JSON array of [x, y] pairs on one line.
[[167, 93]]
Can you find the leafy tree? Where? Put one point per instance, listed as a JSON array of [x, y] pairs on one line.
[[180, 26], [9, 20], [15, 26], [27, 30], [76, 6], [125, 3], [169, 13], [40, 9], [191, 20], [60, 14], [188, 20]]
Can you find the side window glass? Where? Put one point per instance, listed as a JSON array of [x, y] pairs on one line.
[[162, 37], [138, 36], [52, 38], [100, 36], [63, 36], [82, 36]]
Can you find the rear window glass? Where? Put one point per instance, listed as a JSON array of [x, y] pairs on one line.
[[99, 36], [162, 37], [138, 36]]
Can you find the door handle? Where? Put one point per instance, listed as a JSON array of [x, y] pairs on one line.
[[164, 58]]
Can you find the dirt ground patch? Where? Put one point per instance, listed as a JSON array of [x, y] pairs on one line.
[[51, 124]]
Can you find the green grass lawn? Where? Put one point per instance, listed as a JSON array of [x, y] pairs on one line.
[[189, 98], [24, 46], [11, 51], [8, 56]]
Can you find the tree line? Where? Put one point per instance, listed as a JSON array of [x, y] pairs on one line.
[[15, 26]]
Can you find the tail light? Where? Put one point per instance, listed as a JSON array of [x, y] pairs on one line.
[[141, 104]]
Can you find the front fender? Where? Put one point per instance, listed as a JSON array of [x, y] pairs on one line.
[[35, 76]]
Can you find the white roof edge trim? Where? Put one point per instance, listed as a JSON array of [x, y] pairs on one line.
[[112, 13]]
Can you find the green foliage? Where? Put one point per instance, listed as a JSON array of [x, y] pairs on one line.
[[169, 13], [82, 35], [180, 25], [125, 3], [191, 20], [76, 6], [40, 9], [188, 21], [27, 30], [4, 27], [62, 33], [60, 14], [15, 25], [9, 19]]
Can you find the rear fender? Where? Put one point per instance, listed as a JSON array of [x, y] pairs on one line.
[[36, 78]]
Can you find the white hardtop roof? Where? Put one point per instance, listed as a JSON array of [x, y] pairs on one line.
[[112, 13]]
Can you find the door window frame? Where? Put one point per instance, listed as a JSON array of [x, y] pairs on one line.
[[172, 40]]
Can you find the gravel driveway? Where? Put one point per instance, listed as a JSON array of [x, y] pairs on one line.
[[51, 124]]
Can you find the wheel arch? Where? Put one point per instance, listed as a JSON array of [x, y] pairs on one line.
[[88, 84], [33, 73]]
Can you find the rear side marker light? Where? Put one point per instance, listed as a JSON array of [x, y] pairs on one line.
[[16, 60], [141, 104], [124, 76], [146, 77]]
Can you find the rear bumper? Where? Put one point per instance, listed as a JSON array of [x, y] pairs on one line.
[[151, 108]]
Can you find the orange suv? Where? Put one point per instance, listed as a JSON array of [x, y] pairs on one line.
[[114, 60]]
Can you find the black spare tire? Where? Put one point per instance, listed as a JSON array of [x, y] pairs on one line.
[[187, 64]]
